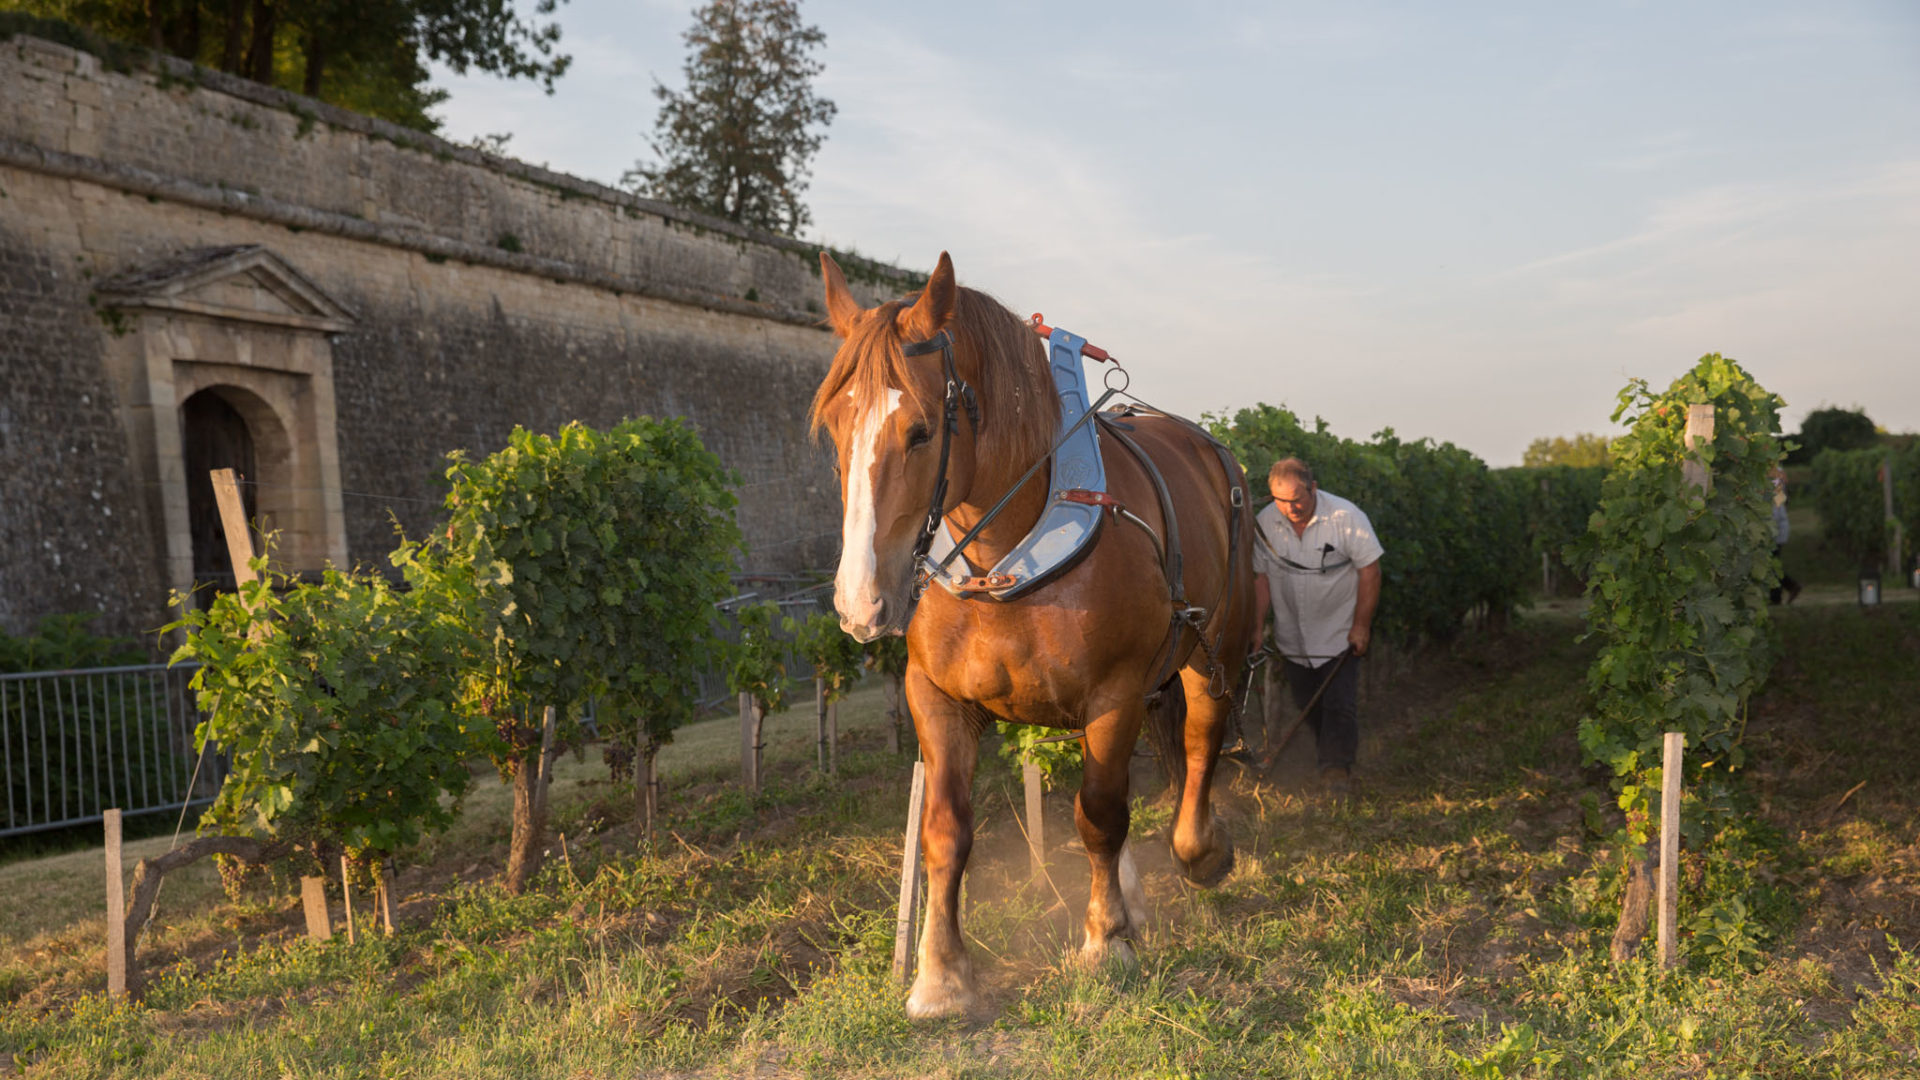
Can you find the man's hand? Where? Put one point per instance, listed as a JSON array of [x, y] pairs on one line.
[[1357, 639], [1366, 600]]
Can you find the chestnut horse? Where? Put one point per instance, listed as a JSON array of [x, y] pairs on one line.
[[1081, 652]]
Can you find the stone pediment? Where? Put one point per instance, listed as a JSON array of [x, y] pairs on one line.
[[245, 283]]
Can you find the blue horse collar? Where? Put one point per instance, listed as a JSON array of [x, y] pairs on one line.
[[1075, 502]]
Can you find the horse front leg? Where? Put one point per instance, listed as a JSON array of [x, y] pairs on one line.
[[1116, 910], [950, 743]]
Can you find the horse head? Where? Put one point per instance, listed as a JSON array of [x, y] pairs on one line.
[[885, 405]]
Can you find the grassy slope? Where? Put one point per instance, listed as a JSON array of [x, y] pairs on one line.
[[1452, 920]]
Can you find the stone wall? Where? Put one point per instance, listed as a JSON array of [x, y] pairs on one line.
[[73, 532], [484, 293]]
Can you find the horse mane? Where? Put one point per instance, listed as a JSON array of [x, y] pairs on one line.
[[1019, 410]]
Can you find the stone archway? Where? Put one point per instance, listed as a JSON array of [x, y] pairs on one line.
[[229, 362]]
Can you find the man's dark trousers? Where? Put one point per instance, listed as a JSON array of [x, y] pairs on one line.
[[1335, 718]]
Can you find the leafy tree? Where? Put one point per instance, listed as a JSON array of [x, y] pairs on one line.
[[888, 656], [1556, 503], [333, 701], [1677, 584], [585, 564], [1582, 450], [366, 55], [757, 667], [1831, 428], [836, 659], [1848, 489], [63, 641], [1024, 743], [738, 141]]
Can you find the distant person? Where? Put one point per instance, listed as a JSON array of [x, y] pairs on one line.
[[1780, 531], [1319, 573]]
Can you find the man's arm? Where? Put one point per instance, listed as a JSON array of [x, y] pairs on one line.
[[1365, 601]]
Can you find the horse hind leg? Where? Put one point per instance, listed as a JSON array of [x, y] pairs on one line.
[[1200, 842]]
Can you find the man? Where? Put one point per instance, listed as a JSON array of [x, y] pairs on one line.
[[1781, 530], [1319, 573]]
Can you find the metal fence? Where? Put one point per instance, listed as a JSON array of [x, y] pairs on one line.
[[801, 604], [76, 743]]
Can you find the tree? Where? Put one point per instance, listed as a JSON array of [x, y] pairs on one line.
[[836, 658], [1830, 428], [1677, 582], [584, 564], [1582, 449], [757, 667], [737, 142], [333, 702], [888, 656], [365, 55]]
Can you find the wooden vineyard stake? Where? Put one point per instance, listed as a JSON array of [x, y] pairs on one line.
[[650, 775], [1699, 431], [1893, 520], [1670, 847], [549, 750], [383, 896], [1036, 822], [313, 898], [749, 752], [820, 721], [833, 736], [233, 521], [896, 705], [116, 910], [906, 925], [346, 894]]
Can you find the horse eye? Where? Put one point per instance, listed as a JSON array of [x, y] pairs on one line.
[[918, 437]]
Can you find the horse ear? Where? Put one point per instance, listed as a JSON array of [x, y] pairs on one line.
[[935, 305], [842, 309]]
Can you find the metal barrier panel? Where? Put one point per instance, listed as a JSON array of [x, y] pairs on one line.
[[710, 690], [76, 743]]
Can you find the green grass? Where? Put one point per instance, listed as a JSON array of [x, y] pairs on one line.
[[1450, 922]]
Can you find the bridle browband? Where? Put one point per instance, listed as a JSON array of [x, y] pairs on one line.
[[959, 393]]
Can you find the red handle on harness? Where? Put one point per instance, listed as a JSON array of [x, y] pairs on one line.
[[1040, 327]]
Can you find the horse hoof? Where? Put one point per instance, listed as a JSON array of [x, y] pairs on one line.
[[1110, 954], [1211, 868], [941, 999]]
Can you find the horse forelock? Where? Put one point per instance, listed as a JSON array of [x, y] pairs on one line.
[[996, 352]]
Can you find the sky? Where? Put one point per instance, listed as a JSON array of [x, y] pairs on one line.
[[1469, 222]]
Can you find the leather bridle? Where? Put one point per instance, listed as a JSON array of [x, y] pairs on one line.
[[959, 394]]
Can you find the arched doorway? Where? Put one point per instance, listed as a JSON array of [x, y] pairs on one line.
[[228, 362], [213, 435]]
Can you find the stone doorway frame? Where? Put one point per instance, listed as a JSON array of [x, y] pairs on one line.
[[243, 323]]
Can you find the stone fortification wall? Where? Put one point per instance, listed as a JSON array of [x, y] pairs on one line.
[[484, 293]]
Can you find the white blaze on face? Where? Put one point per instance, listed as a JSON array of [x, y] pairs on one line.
[[856, 590]]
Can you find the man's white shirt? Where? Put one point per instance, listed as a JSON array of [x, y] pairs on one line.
[[1314, 576]]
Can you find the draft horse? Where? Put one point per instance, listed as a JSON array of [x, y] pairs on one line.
[[936, 404]]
